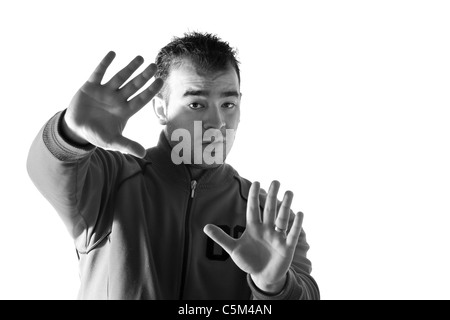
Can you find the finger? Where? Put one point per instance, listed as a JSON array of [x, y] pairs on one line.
[[120, 77], [99, 72], [282, 221], [294, 233], [220, 237], [253, 213], [139, 81], [270, 208], [145, 96], [126, 145]]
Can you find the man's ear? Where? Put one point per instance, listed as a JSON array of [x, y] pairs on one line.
[[160, 108]]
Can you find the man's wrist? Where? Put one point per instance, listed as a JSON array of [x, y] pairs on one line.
[[70, 134], [270, 288]]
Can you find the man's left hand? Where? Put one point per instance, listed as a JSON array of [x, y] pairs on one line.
[[265, 250]]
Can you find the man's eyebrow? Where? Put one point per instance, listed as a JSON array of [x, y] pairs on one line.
[[195, 93], [224, 94], [231, 93]]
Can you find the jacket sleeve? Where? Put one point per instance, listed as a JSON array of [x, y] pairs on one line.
[[300, 285], [79, 182]]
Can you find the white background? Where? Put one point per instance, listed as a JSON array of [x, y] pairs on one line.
[[346, 103]]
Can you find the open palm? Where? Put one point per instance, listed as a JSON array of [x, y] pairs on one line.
[[264, 250], [98, 113]]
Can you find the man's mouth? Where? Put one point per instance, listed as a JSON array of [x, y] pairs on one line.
[[213, 142]]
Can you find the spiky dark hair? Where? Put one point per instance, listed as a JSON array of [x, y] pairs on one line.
[[207, 51]]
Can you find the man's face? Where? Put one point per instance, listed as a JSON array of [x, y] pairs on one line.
[[199, 101]]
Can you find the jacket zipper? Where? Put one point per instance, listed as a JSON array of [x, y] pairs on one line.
[[186, 238], [193, 186]]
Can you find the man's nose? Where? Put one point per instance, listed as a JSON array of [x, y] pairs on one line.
[[214, 119]]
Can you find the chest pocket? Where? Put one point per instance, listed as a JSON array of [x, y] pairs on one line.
[[216, 252]]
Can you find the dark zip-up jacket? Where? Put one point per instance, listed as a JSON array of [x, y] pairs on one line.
[[137, 224]]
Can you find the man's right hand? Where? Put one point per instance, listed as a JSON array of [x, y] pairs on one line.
[[99, 112]]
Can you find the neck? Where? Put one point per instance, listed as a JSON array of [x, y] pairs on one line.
[[196, 172]]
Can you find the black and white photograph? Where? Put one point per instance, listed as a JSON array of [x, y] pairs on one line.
[[233, 150]]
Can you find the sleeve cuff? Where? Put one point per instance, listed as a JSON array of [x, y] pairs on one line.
[[59, 145], [289, 292]]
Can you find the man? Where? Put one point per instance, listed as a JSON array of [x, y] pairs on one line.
[[173, 221]]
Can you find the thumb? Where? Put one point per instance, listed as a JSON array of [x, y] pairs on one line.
[[220, 237], [126, 145]]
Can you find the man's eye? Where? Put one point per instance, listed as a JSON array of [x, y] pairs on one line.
[[228, 105], [195, 106]]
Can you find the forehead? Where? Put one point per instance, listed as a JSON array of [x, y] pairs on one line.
[[187, 76]]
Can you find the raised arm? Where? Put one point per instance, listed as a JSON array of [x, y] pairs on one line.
[[66, 160]]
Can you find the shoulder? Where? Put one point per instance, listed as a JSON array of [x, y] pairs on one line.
[[127, 165], [245, 185]]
